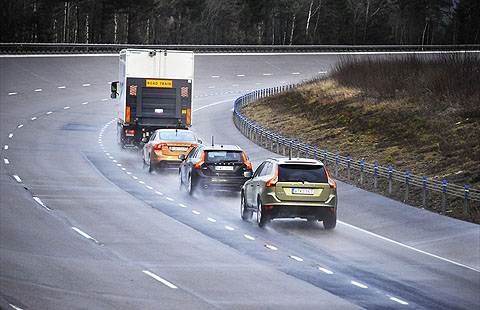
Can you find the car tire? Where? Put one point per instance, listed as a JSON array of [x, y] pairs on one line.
[[244, 211], [190, 185], [150, 165], [330, 221], [262, 217], [180, 182], [143, 160]]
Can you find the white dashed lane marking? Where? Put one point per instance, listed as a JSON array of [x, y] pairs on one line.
[[20, 126], [298, 259], [66, 108], [271, 247], [161, 280], [325, 270], [10, 135], [49, 112], [84, 234], [212, 220], [84, 103], [170, 199], [229, 228], [33, 118], [38, 89], [12, 94], [240, 75], [182, 205], [62, 87], [360, 285], [5, 147], [157, 192], [249, 237], [86, 85], [195, 212], [399, 301], [267, 74], [5, 160], [41, 203]]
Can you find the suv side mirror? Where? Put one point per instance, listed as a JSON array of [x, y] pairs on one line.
[[181, 156], [200, 141], [144, 140], [113, 90]]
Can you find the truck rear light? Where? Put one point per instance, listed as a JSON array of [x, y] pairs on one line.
[[246, 162], [201, 162], [189, 116], [127, 114], [129, 132], [159, 146], [273, 181], [331, 182]]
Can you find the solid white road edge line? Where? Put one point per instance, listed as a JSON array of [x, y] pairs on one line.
[[163, 281], [408, 247], [212, 104]]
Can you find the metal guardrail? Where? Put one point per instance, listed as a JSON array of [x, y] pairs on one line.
[[52, 48], [358, 169]]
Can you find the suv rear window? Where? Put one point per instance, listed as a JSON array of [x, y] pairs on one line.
[[177, 136], [300, 173], [223, 156]]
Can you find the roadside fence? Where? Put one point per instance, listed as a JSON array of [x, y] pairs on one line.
[[422, 191]]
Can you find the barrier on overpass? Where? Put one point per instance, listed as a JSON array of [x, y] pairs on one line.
[[422, 191], [72, 48]]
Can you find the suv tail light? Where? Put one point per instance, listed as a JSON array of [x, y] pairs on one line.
[[331, 182], [159, 146], [201, 162], [273, 181], [246, 162], [129, 132]]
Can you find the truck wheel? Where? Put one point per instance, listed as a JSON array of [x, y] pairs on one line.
[[244, 211]]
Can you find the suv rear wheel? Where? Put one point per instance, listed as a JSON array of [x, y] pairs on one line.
[[330, 221], [262, 218], [244, 211]]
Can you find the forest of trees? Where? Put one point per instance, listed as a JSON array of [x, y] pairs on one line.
[[280, 22]]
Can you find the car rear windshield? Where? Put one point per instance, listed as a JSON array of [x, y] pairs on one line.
[[178, 136], [302, 173], [223, 156]]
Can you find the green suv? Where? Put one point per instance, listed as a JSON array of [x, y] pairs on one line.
[[290, 188]]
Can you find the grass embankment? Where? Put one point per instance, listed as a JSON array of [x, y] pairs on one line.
[[417, 115]]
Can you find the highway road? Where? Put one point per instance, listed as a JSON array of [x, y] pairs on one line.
[[84, 226]]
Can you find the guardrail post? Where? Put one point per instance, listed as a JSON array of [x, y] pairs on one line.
[[406, 186], [314, 152], [284, 145], [444, 194], [336, 164], [362, 167], [375, 173], [325, 157], [306, 150], [424, 192], [272, 134], [257, 129], [348, 167], [465, 202], [290, 154], [278, 144], [390, 175], [298, 148]]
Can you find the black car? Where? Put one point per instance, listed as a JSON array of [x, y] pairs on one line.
[[215, 167]]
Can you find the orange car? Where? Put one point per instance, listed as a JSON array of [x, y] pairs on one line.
[[164, 146]]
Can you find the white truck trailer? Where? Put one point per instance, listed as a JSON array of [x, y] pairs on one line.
[[154, 90]]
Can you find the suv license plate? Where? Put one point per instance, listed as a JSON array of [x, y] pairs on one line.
[[303, 191], [224, 168], [178, 148]]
